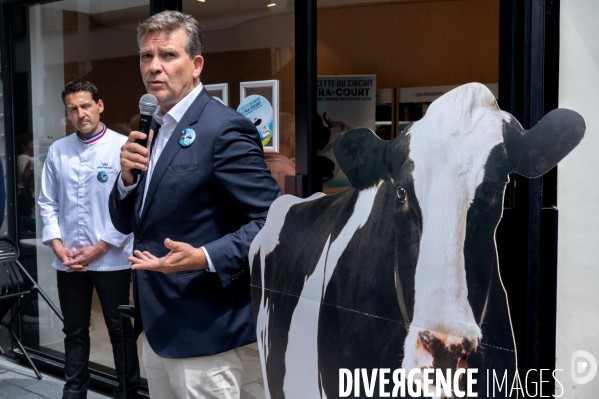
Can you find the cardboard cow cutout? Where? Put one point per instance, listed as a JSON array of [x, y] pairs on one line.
[[400, 270]]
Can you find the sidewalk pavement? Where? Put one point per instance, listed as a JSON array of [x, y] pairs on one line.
[[19, 382]]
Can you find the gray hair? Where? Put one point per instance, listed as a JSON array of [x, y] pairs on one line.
[[169, 21]]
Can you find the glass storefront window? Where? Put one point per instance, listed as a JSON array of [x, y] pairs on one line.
[[249, 49], [56, 43], [379, 53]]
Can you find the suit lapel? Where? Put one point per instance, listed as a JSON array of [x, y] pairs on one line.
[[172, 147]]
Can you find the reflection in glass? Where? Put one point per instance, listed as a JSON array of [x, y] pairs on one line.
[[67, 40], [405, 44], [248, 41]]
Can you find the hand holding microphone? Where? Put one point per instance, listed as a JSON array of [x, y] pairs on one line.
[[135, 154]]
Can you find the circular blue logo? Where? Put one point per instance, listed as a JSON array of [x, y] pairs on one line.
[[102, 176], [187, 137]]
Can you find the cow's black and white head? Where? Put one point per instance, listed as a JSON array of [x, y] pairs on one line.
[[400, 270], [449, 172]]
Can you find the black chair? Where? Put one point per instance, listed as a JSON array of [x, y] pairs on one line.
[[15, 284]]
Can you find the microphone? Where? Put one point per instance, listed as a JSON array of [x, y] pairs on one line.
[[147, 106]]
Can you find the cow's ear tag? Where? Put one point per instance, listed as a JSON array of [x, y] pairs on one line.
[[187, 138]]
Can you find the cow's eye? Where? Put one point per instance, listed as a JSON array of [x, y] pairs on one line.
[[401, 194]]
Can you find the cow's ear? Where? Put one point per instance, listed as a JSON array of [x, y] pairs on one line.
[[361, 156], [535, 151]]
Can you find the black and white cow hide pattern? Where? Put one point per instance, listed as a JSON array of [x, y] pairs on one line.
[[400, 270]]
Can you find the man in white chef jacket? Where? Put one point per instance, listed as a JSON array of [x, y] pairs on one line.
[[78, 175]]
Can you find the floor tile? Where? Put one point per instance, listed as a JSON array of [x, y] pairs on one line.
[[20, 382]]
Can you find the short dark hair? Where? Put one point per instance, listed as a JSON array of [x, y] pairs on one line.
[[168, 21], [80, 85]]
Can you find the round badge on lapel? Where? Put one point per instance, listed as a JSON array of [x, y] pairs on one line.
[[188, 136], [102, 176]]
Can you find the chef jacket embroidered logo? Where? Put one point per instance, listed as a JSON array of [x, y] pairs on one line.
[[102, 176], [187, 137]]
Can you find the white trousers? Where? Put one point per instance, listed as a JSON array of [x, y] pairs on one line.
[[205, 377]]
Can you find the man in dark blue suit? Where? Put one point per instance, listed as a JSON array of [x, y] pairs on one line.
[[202, 197]]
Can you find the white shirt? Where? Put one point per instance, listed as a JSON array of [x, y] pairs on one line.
[[76, 182], [168, 122]]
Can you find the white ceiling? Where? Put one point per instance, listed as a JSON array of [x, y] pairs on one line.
[[225, 14], [209, 8], [96, 6], [339, 3], [222, 8], [212, 14]]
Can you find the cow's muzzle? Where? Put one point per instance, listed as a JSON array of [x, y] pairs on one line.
[[441, 351]]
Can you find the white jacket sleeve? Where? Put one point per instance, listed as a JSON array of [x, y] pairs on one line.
[[111, 236], [48, 201]]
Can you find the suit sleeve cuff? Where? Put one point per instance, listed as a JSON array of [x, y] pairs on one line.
[[124, 191], [210, 267]]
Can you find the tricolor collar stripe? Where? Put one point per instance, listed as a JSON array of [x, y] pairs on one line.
[[93, 138]]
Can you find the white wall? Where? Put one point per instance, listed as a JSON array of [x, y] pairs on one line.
[[578, 197]]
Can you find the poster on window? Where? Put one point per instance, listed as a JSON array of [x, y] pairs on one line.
[[343, 102], [258, 110]]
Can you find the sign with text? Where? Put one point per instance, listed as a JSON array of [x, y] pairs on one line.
[[343, 102], [429, 94]]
